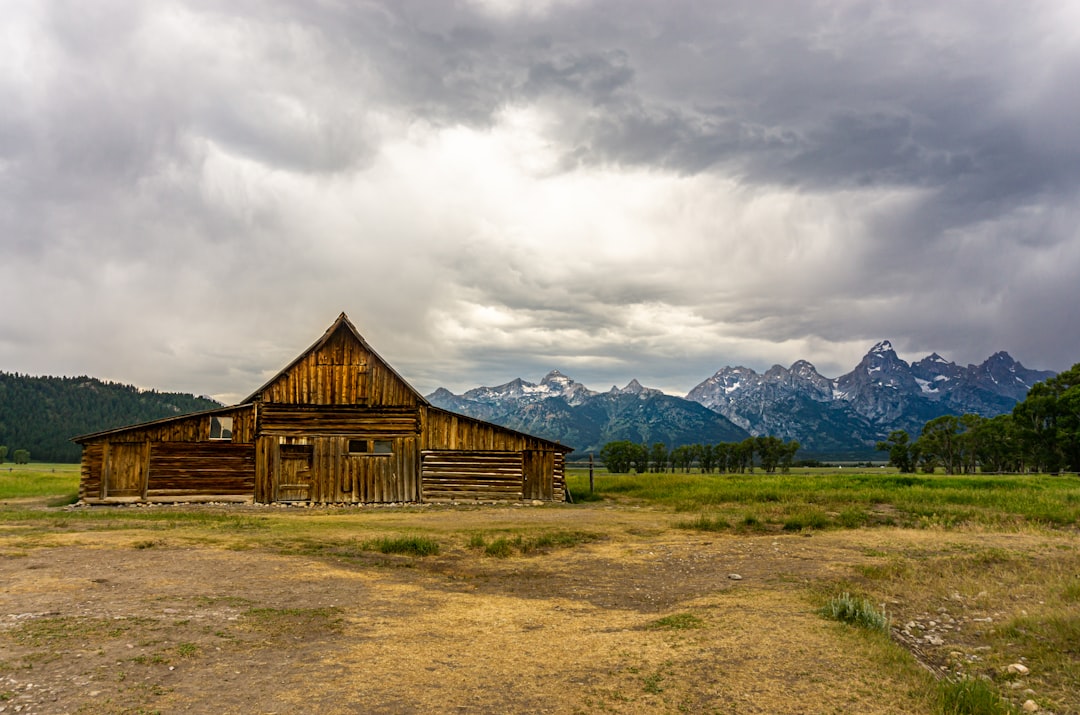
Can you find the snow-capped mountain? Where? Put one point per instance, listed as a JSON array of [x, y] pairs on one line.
[[882, 393], [554, 384], [558, 408], [844, 414]]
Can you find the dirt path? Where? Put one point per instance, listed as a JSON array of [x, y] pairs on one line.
[[106, 622]]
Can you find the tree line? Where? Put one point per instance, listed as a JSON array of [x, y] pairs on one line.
[[768, 453], [1042, 434], [40, 415]]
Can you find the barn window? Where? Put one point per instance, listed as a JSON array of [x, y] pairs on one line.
[[221, 428], [374, 446]]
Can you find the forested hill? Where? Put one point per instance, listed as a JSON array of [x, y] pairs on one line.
[[42, 414]]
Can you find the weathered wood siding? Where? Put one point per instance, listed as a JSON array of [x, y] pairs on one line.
[[340, 371], [118, 465], [466, 458], [125, 470], [471, 475], [538, 474], [325, 471], [446, 430], [370, 422], [180, 469], [558, 484], [93, 461]]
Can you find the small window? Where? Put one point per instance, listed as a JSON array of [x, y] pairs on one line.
[[372, 446], [220, 428]]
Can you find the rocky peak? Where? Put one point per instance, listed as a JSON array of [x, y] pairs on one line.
[[441, 394], [636, 388], [556, 377], [935, 374]]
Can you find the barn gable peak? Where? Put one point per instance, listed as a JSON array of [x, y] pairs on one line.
[[352, 362]]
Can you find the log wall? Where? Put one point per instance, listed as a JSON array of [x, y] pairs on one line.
[[191, 469], [471, 475], [444, 430], [93, 460]]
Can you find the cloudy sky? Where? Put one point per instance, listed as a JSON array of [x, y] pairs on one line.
[[191, 191]]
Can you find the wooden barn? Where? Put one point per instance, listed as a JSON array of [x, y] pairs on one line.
[[337, 425]]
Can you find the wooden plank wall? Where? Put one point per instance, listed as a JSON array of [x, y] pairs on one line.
[[538, 471], [203, 468], [446, 430], [340, 372], [338, 477], [471, 475], [266, 466], [341, 477], [373, 423], [559, 478], [124, 473], [101, 455], [93, 461]]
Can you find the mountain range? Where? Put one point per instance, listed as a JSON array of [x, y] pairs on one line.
[[843, 416]]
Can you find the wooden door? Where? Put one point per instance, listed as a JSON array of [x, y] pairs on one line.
[[125, 469], [294, 472], [538, 469]]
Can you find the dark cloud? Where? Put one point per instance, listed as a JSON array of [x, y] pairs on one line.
[[494, 189]]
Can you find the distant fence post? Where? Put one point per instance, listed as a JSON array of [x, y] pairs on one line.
[[590, 473]]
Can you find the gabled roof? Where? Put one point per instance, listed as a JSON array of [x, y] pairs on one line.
[[341, 322]]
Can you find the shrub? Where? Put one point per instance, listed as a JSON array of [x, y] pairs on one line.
[[856, 612]]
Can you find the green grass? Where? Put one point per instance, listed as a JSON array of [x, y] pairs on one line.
[[704, 522], [677, 622], [408, 545], [970, 696], [505, 545], [829, 498], [26, 481]]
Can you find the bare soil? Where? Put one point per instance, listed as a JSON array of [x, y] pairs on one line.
[[123, 621]]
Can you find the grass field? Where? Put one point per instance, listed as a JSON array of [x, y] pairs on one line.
[[961, 577], [58, 482], [829, 498]]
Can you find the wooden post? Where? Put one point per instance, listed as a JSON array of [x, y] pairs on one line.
[[590, 473]]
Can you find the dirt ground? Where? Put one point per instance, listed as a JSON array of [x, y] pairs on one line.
[[107, 621]]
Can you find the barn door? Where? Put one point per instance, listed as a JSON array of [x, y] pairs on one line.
[[538, 470], [125, 469], [293, 476]]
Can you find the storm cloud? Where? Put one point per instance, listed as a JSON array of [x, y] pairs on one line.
[[189, 194]]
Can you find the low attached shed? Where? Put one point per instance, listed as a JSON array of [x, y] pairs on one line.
[[337, 425]]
